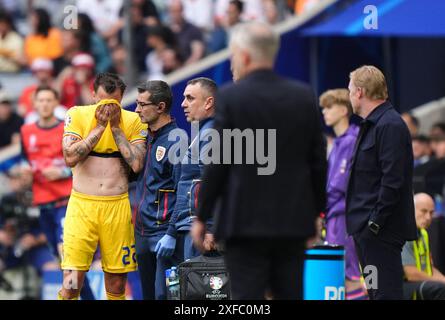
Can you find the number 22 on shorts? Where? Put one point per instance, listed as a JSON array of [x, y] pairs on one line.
[[126, 256]]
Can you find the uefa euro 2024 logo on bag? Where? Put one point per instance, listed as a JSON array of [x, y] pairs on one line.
[[216, 283]]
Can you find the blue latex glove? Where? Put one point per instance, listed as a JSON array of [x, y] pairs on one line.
[[166, 246]]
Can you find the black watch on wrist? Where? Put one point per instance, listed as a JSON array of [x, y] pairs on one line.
[[374, 227]]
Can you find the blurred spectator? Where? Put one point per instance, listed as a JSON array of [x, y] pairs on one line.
[[103, 13], [423, 281], [10, 123], [44, 41], [97, 46], [439, 151], [200, 12], [11, 6], [171, 60], [253, 10], [118, 56], [73, 42], [302, 6], [11, 45], [411, 122], [437, 130], [77, 89], [51, 178], [189, 37], [162, 8], [139, 31], [421, 150], [429, 177], [143, 14], [149, 11], [159, 39], [42, 70], [234, 12], [220, 36], [26, 246], [273, 12]]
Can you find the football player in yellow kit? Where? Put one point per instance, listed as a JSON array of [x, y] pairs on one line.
[[101, 143]]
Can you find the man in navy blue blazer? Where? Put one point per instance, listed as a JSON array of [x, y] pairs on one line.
[[379, 201], [264, 214]]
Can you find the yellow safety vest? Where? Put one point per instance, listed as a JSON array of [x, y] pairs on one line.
[[420, 252]]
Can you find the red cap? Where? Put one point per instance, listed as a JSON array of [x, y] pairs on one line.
[[83, 60]]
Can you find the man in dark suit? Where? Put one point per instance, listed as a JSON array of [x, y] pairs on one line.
[[264, 214], [379, 201]]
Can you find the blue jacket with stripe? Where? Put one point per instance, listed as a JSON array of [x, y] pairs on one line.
[[190, 182], [155, 195]]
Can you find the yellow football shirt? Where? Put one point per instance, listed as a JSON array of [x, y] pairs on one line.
[[80, 120]]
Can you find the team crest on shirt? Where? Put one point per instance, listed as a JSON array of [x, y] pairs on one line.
[[160, 153], [143, 133], [67, 120]]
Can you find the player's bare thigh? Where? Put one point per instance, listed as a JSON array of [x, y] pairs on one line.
[[101, 176]]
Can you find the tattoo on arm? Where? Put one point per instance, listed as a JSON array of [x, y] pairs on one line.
[[81, 149], [133, 155], [76, 150], [92, 140]]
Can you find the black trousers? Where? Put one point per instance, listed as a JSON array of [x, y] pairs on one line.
[[256, 265], [425, 290], [384, 257]]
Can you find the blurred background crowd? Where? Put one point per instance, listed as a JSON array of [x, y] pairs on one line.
[[167, 34]]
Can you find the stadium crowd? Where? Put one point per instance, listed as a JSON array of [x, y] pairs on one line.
[[167, 34], [47, 43]]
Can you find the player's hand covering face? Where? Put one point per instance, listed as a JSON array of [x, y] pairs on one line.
[[115, 115], [108, 112], [102, 116]]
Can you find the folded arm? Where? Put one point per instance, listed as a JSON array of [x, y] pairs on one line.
[[133, 154], [76, 150]]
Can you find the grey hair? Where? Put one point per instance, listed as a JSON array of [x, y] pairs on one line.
[[259, 39]]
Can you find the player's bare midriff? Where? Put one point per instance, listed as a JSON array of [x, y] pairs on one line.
[[101, 176]]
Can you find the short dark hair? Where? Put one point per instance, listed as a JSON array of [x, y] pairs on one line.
[[439, 125], [43, 22], [208, 84], [421, 138], [159, 92], [46, 88], [238, 4], [163, 32], [86, 24], [6, 17], [110, 82]]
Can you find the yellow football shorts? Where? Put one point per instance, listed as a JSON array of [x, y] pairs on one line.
[[99, 219]]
